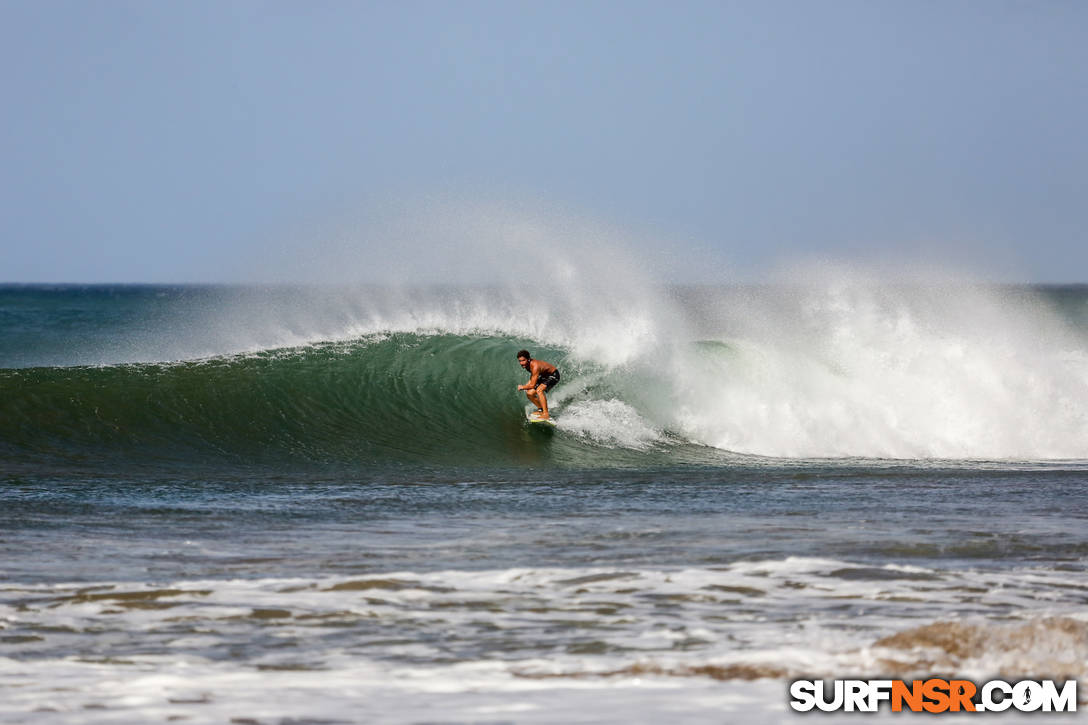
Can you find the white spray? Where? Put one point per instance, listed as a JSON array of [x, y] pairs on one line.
[[826, 362]]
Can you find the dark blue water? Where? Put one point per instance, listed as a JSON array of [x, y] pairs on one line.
[[361, 526]]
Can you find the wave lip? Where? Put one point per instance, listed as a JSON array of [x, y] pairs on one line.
[[821, 371], [392, 398]]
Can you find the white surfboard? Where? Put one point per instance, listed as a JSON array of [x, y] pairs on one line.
[[535, 419]]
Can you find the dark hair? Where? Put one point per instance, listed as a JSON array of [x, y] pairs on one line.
[[525, 354]]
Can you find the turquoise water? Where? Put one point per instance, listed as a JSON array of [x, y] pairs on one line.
[[289, 504]]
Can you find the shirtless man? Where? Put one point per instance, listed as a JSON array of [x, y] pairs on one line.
[[544, 377]]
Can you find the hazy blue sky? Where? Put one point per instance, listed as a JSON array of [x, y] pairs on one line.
[[193, 141]]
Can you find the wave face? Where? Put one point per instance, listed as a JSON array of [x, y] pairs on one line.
[[410, 397], [829, 369]]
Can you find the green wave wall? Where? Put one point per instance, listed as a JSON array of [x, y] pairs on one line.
[[405, 396], [442, 399]]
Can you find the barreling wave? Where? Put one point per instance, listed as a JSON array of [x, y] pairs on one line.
[[409, 397], [650, 377]]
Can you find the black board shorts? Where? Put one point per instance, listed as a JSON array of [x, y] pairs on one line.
[[548, 381]]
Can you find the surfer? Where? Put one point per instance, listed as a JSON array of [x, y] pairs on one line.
[[544, 377]]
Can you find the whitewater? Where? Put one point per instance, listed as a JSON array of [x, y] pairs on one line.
[[842, 369], [307, 503]]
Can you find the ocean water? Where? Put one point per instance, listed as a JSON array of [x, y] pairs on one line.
[[299, 504]]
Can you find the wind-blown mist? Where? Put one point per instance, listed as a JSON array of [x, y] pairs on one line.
[[828, 362], [843, 367], [823, 361]]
